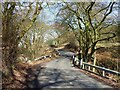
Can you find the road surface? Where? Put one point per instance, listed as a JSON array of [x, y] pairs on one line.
[[59, 73]]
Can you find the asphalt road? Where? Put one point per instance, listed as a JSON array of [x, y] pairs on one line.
[[59, 73]]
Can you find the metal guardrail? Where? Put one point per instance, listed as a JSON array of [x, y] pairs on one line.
[[100, 68], [103, 69], [82, 65], [42, 57]]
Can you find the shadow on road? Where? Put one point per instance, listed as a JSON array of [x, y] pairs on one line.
[[35, 79], [59, 74], [32, 78], [52, 78]]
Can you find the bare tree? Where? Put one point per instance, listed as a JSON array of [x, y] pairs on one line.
[[15, 16], [88, 20]]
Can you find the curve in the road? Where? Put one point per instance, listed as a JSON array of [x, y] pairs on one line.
[[59, 73]]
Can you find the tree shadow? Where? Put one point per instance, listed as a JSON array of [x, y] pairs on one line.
[[32, 79], [54, 78]]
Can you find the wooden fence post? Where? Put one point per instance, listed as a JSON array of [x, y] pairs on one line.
[[83, 66], [89, 68], [81, 63], [103, 73]]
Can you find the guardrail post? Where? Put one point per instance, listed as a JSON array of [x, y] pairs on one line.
[[89, 68], [81, 63], [83, 66], [103, 73], [73, 60]]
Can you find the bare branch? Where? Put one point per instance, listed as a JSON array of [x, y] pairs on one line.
[[110, 10], [107, 38], [101, 10]]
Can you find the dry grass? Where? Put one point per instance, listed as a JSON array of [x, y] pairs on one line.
[[19, 80], [109, 57]]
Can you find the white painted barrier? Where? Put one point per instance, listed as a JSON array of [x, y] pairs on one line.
[[103, 69]]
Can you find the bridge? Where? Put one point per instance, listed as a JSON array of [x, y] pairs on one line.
[[60, 73]]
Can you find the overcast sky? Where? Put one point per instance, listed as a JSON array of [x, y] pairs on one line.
[[48, 14]]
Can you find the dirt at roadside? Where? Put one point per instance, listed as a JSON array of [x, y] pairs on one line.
[[22, 73], [101, 79]]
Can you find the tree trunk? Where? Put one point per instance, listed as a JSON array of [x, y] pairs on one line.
[[9, 43]]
